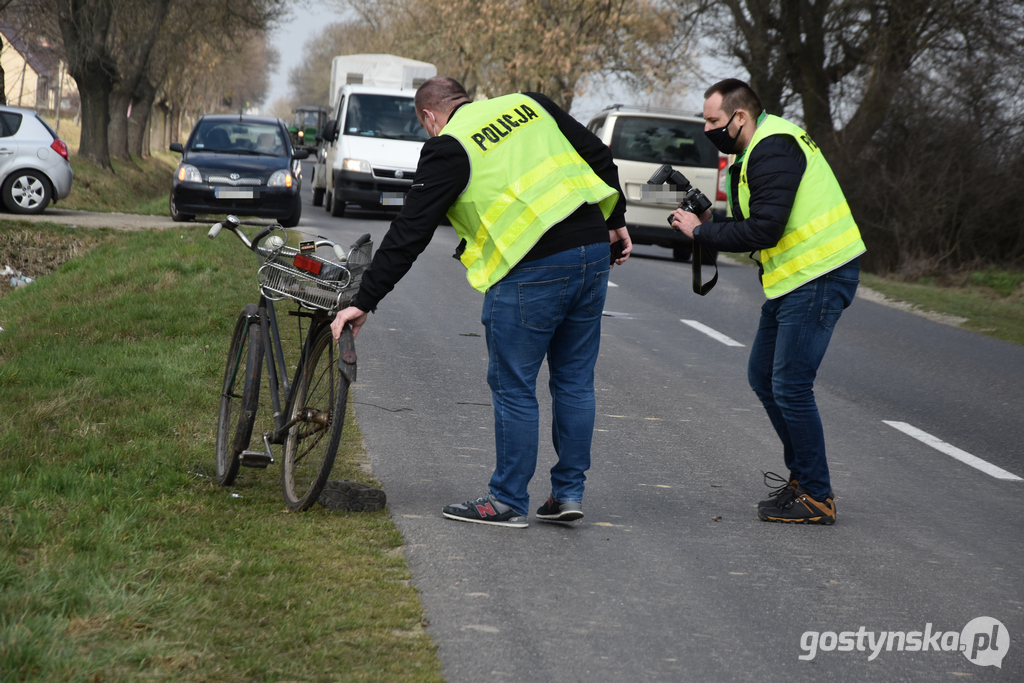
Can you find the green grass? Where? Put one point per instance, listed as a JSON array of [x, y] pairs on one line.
[[140, 186], [978, 296], [992, 300], [119, 559]]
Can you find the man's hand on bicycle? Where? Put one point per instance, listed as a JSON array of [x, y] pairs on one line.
[[353, 315]]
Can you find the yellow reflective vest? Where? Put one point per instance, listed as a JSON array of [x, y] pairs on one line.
[[821, 234], [524, 178]]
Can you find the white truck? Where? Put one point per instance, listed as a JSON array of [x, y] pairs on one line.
[[369, 149]]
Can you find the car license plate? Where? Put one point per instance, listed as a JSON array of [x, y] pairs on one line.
[[232, 193], [392, 199]]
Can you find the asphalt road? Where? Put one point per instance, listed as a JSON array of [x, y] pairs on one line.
[[670, 576]]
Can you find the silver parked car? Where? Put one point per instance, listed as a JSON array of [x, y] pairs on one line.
[[34, 167]]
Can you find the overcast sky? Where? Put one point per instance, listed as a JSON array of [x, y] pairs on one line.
[[290, 41]]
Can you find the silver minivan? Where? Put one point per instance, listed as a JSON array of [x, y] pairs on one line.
[[641, 140], [34, 167]]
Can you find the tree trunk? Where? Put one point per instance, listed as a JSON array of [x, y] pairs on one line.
[[175, 121], [84, 26], [138, 123], [3, 84], [95, 96], [118, 125]]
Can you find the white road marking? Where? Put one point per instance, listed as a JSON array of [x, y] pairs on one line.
[[953, 451], [612, 284], [714, 334]]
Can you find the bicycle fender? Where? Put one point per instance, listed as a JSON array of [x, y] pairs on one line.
[[347, 355]]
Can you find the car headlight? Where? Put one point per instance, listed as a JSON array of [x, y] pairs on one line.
[[281, 179], [187, 173], [357, 165]]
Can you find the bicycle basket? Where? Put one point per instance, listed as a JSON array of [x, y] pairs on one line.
[[310, 280]]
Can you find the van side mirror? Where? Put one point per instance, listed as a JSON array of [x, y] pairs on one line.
[[330, 133], [176, 147], [299, 154]]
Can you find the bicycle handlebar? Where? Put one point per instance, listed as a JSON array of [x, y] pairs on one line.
[[232, 223]]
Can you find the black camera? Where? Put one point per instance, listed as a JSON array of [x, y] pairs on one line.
[[693, 200]]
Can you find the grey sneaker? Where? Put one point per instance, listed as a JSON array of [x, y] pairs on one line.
[[351, 495], [553, 511], [485, 510]]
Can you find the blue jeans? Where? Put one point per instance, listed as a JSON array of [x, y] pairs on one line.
[[547, 307], [791, 340]]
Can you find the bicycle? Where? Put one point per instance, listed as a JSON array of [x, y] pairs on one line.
[[309, 410]]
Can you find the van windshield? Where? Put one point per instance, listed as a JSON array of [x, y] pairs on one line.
[[383, 116], [663, 141]]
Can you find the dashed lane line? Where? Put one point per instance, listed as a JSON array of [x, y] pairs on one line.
[[953, 451], [714, 334]]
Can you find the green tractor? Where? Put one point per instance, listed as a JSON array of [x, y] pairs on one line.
[[306, 125]]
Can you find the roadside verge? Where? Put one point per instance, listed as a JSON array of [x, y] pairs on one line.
[[120, 559]]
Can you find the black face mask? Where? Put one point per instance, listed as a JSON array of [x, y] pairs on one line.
[[721, 139]]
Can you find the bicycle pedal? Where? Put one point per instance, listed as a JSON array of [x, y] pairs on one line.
[[258, 459]]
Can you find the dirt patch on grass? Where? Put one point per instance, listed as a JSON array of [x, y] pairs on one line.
[[36, 253]]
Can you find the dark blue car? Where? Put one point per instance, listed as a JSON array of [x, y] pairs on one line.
[[237, 164]]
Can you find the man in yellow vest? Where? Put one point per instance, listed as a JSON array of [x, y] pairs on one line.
[[787, 205], [535, 198]]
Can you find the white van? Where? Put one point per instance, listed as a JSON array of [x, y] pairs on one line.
[[371, 149]]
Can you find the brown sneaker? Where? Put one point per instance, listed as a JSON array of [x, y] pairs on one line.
[[796, 506]]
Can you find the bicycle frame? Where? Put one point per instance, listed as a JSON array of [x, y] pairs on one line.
[[277, 369], [273, 351]]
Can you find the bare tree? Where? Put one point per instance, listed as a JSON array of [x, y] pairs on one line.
[[86, 27], [211, 58], [544, 45], [3, 83], [132, 51], [110, 55], [34, 24], [843, 61], [4, 4], [917, 103]]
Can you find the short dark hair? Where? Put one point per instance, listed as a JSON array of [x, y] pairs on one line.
[[736, 95], [440, 94]]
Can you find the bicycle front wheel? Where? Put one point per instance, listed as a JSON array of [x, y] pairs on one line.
[[318, 416], [239, 395]]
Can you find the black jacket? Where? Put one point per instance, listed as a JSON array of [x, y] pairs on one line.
[[774, 173], [441, 176]]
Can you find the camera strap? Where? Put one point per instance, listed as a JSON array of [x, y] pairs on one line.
[[696, 259]]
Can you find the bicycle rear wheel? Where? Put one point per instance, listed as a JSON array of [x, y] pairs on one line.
[[238, 410], [318, 409]]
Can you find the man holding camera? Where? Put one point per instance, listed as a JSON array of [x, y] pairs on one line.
[[787, 205], [535, 198]]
